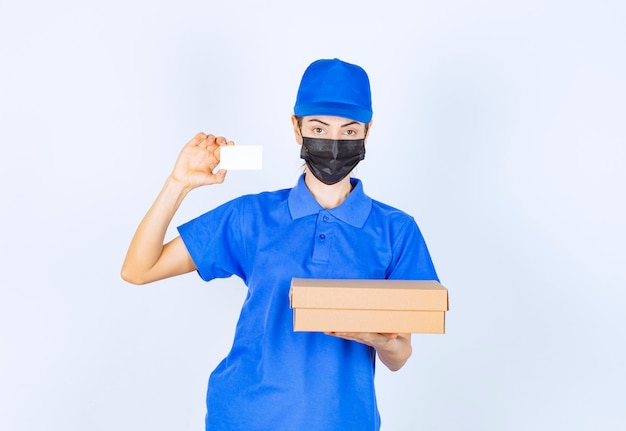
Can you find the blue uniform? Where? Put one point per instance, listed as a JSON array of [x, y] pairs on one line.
[[273, 378]]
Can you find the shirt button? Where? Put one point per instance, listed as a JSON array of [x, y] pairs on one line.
[[322, 236], [326, 218]]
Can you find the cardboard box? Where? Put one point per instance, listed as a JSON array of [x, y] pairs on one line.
[[384, 306]]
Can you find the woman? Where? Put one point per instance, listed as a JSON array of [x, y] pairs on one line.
[[324, 227]]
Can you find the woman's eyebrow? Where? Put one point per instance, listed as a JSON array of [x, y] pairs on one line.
[[326, 124], [319, 121]]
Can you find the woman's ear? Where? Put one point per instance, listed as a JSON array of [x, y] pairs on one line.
[[296, 129]]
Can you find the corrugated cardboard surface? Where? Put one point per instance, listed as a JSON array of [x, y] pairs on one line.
[[381, 321], [369, 294], [332, 305]]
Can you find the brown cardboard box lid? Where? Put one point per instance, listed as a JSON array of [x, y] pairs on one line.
[[427, 295]]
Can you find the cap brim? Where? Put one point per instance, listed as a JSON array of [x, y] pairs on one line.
[[343, 110]]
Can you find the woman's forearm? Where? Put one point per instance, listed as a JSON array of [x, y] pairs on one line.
[[395, 352], [146, 247]]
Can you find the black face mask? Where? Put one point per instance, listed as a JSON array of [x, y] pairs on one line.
[[331, 160]]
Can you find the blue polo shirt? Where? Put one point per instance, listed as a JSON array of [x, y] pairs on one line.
[[273, 378]]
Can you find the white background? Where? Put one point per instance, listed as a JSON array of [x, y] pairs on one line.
[[500, 126]]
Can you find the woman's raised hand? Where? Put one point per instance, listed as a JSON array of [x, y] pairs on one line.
[[197, 160]]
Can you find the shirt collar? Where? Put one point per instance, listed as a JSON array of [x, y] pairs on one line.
[[354, 210]]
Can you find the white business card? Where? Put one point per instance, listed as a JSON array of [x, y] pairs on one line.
[[241, 157]]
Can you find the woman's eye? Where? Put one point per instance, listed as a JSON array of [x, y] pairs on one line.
[[350, 132], [318, 130]]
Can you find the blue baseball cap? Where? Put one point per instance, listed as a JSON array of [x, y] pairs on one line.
[[335, 88]]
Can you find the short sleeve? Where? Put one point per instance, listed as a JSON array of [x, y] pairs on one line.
[[411, 258], [215, 242]]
